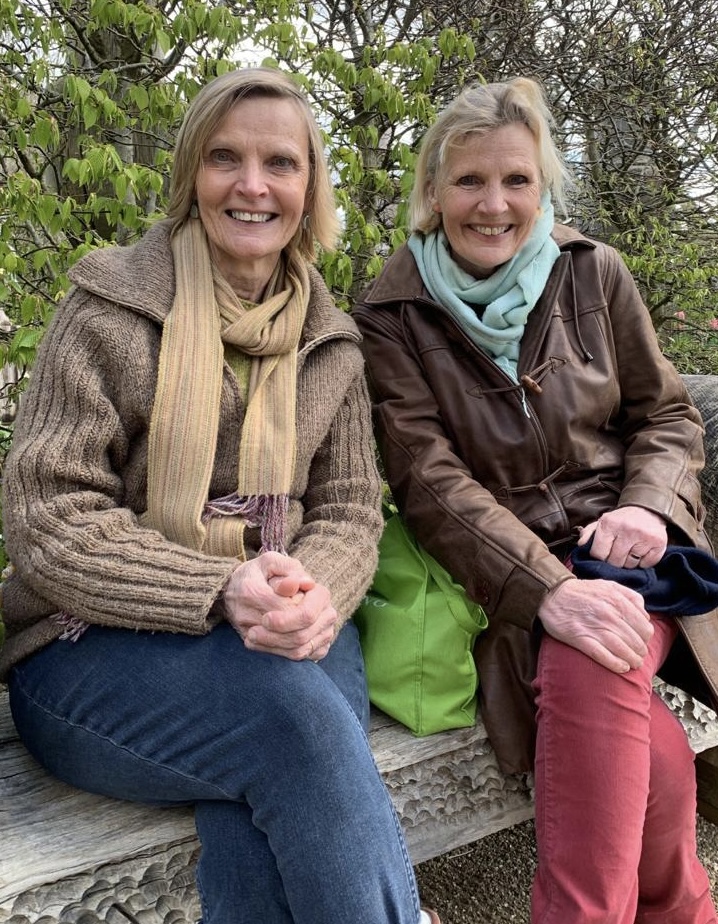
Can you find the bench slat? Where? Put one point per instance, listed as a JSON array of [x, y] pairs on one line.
[[51, 831], [447, 788]]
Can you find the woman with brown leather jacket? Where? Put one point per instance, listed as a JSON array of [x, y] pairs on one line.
[[523, 409]]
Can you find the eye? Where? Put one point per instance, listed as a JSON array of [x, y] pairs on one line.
[[469, 180], [220, 157], [283, 162], [518, 179]]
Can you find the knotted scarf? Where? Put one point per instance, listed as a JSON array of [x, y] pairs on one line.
[[509, 293], [184, 424]]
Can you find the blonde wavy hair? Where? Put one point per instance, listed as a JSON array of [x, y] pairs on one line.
[[206, 111], [479, 110]]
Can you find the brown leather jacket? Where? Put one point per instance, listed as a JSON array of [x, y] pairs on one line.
[[496, 477]]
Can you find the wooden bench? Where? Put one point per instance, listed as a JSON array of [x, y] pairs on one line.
[[70, 856], [66, 855]]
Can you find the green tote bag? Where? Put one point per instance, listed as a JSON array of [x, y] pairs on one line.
[[417, 630]]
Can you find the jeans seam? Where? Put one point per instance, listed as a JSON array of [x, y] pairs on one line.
[[408, 866], [115, 744]]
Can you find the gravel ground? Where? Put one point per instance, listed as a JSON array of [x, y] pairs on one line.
[[489, 882]]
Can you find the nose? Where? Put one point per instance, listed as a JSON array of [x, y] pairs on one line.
[[493, 199], [250, 180]]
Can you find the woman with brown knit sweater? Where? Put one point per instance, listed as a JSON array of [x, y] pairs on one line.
[[192, 511]]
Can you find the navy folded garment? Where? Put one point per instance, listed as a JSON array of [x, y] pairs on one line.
[[683, 583]]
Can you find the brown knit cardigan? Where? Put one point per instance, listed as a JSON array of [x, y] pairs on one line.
[[75, 480]]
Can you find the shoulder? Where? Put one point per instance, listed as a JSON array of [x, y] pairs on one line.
[[139, 276], [324, 319], [399, 281], [593, 259], [569, 238], [573, 241]]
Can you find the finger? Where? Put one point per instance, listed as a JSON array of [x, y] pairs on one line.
[[623, 552], [311, 611], [614, 635], [606, 658], [616, 642], [293, 629], [586, 532], [642, 559], [630, 638], [652, 556], [628, 643], [261, 636], [270, 643], [624, 558], [633, 560], [602, 543], [251, 584], [632, 619], [277, 566], [319, 648], [607, 644], [291, 654], [290, 585], [313, 649]]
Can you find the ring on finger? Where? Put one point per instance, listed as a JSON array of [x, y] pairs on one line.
[[311, 647]]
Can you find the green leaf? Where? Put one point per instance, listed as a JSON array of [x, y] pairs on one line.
[[78, 89], [139, 96], [23, 108], [44, 133]]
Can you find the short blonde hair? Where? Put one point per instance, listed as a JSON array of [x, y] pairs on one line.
[[205, 113], [479, 110]]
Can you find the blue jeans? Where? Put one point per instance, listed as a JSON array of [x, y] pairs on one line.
[[295, 823]]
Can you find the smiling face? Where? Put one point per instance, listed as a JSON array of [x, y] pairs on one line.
[[251, 189], [488, 196]]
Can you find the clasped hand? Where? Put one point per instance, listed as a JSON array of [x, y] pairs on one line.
[[278, 608], [603, 619]]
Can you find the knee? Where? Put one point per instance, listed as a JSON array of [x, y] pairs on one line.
[[299, 701], [566, 672]]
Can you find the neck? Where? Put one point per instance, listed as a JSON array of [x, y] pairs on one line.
[[477, 272], [248, 280], [249, 290]]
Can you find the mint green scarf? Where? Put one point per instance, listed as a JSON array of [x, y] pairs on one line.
[[509, 294]]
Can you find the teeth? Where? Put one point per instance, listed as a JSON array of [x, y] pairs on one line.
[[251, 216], [491, 231]]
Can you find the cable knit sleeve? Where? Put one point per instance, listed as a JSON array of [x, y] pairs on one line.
[[74, 483]]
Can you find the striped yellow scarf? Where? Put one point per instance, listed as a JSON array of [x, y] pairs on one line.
[[185, 416]]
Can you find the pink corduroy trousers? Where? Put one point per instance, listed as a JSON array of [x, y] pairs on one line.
[[615, 796]]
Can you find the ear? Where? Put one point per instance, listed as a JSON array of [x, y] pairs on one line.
[[433, 199]]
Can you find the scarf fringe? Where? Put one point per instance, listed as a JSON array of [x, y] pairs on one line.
[[74, 627], [267, 511]]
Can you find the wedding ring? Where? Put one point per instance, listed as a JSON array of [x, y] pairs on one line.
[[311, 647]]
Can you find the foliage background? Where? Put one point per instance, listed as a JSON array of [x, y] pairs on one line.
[[92, 93]]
